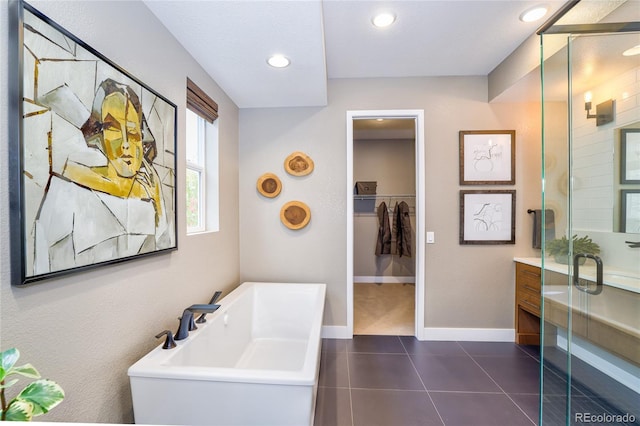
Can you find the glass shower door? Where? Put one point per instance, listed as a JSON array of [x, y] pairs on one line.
[[590, 341]]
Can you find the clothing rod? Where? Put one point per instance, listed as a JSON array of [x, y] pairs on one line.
[[374, 214], [374, 196]]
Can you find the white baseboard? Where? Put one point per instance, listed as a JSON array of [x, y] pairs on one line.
[[383, 280], [443, 334], [469, 334]]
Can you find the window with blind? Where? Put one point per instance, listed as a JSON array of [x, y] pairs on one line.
[[202, 174]]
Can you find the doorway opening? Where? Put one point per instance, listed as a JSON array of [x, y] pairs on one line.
[[385, 288]]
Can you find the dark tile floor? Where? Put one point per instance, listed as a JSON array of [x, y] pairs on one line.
[[398, 381]]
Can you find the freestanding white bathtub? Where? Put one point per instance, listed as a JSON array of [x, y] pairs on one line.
[[254, 362]]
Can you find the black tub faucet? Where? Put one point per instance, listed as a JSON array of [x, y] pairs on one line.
[[168, 343], [213, 300], [186, 321]]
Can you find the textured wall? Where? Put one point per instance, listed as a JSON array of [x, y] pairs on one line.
[[465, 286], [86, 329]]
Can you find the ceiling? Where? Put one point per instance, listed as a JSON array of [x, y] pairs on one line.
[[231, 40]]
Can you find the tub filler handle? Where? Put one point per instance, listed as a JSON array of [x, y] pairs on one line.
[[187, 323], [213, 300], [169, 343]]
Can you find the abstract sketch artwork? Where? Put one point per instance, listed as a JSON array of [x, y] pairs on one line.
[[487, 157], [487, 217], [98, 148]]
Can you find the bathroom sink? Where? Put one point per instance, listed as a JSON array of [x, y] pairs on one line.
[[622, 280], [616, 276]]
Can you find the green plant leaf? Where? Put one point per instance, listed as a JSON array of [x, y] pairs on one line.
[[26, 370], [9, 384], [19, 411], [8, 359], [43, 394]]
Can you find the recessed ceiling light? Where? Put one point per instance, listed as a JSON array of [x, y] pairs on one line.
[[383, 20], [632, 52], [278, 61], [534, 13]]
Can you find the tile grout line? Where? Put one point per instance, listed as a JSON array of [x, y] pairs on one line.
[[346, 351], [499, 387], [468, 392], [580, 394], [422, 382]]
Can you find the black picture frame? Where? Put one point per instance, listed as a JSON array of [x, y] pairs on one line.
[[629, 211], [629, 156], [101, 187]]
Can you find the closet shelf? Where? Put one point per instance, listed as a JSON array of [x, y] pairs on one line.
[[387, 196], [367, 205]]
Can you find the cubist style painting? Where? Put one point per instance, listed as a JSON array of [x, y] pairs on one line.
[[98, 157]]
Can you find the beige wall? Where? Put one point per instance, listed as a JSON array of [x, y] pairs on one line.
[[86, 329], [466, 286]]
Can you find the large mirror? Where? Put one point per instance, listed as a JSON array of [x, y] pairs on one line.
[[602, 198], [605, 155]]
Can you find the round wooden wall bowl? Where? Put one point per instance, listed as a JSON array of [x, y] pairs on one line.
[[295, 215], [298, 164], [269, 185]]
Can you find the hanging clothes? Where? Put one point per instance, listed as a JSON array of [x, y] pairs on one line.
[[402, 229], [383, 243]]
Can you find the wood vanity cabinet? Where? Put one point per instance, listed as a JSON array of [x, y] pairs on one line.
[[528, 302], [615, 332]]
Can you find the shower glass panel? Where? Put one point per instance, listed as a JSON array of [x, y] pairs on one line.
[[590, 328]]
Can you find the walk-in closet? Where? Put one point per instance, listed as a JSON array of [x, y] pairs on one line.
[[384, 226]]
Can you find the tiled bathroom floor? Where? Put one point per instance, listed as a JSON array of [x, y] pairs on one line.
[[398, 381]]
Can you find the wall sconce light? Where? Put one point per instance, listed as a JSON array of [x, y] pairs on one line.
[[604, 111]]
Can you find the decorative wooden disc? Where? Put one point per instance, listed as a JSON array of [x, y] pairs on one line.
[[269, 185], [298, 164], [295, 215]]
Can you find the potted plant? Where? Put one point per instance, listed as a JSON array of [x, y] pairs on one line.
[[35, 399], [559, 248]]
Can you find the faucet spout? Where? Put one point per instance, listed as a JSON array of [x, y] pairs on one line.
[[186, 324], [203, 308], [186, 321]]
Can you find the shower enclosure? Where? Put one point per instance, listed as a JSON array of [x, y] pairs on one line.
[[590, 328]]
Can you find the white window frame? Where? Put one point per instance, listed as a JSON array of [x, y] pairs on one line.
[[208, 170]]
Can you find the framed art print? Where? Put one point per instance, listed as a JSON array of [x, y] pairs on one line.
[[487, 157], [630, 211], [629, 156], [95, 169], [488, 217]]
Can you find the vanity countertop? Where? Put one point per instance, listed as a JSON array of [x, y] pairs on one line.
[[615, 306], [624, 280]]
